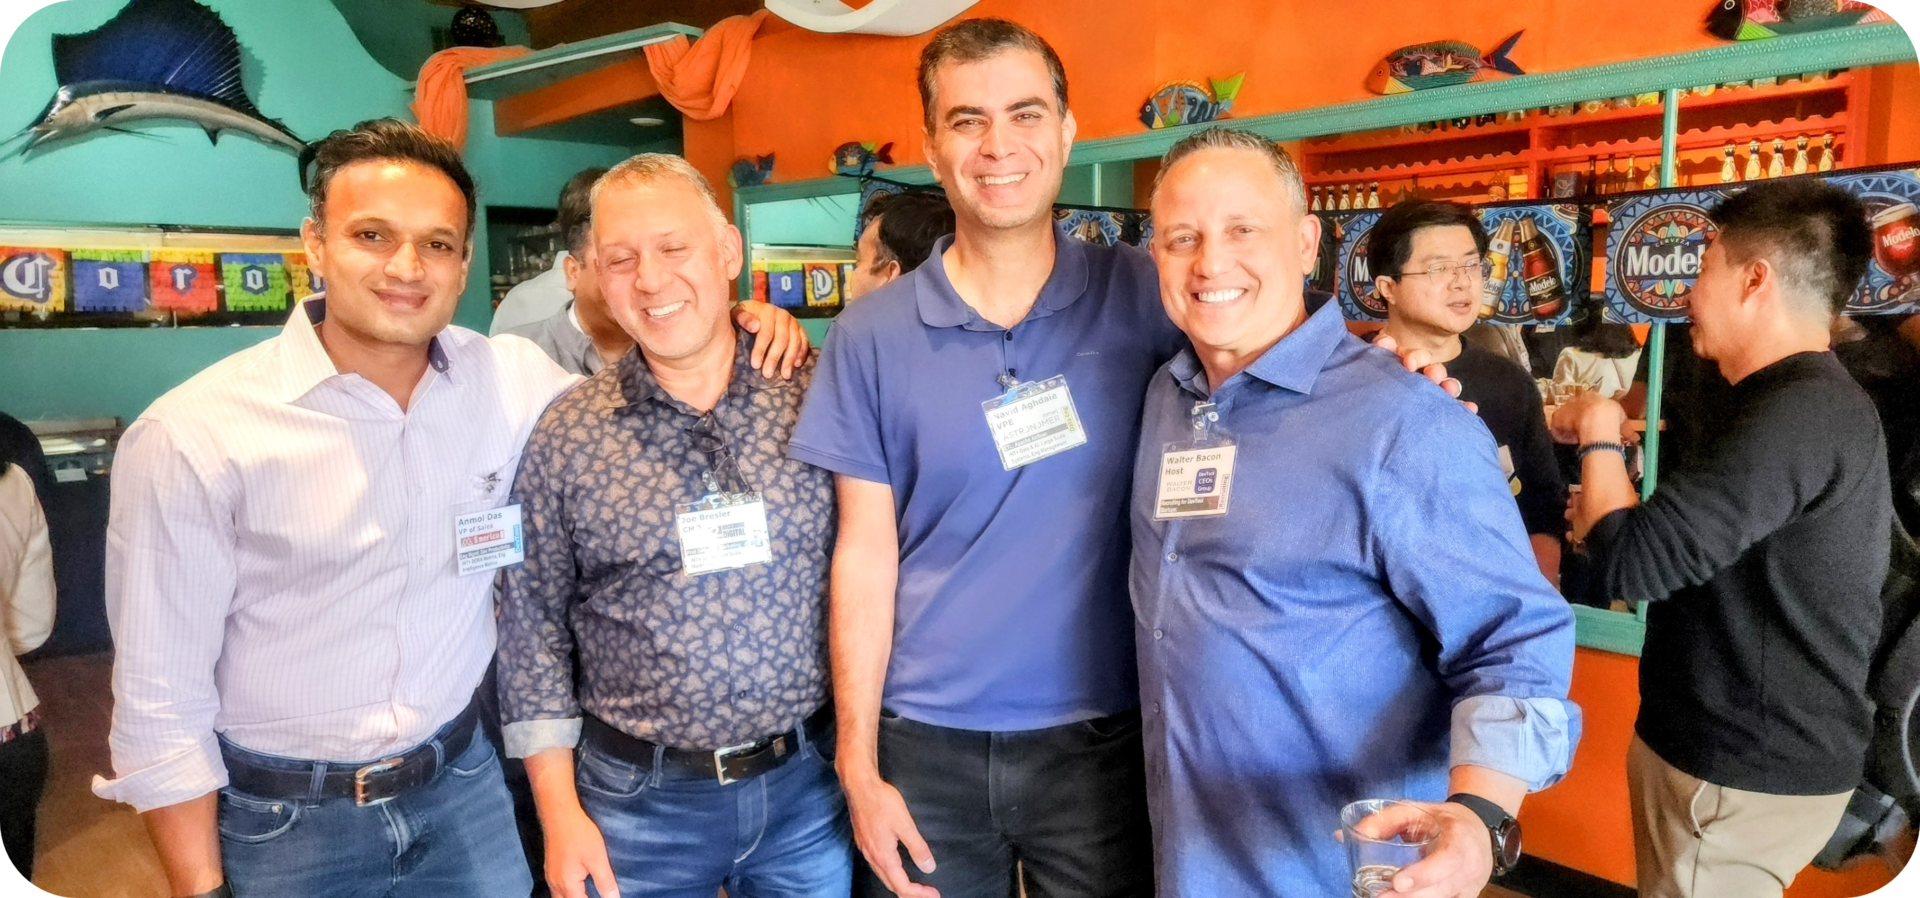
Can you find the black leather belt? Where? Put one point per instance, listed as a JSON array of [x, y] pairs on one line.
[[730, 764], [368, 784]]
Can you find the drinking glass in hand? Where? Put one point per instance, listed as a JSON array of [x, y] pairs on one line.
[[1383, 835]]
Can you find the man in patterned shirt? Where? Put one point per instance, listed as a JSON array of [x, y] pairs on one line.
[[680, 558]]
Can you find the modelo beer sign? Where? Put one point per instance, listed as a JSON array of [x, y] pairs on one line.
[[1353, 276], [1654, 249]]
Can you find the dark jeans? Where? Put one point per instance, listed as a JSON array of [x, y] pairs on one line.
[[23, 776], [1068, 804], [451, 838], [782, 834]]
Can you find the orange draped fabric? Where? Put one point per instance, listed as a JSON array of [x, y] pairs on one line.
[[700, 78], [440, 96]]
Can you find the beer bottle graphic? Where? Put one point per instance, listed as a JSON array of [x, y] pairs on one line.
[[1499, 254], [1545, 293]]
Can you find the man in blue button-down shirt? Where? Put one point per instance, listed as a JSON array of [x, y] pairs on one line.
[[1363, 619]]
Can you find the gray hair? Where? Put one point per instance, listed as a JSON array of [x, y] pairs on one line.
[[1235, 139], [648, 169]]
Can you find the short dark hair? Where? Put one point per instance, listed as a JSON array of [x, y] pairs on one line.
[[1815, 234], [1593, 333], [910, 222], [1390, 243], [376, 139], [972, 40], [575, 219]]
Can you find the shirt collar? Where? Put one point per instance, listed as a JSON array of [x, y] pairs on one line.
[[941, 305], [638, 385], [1294, 363], [305, 363]]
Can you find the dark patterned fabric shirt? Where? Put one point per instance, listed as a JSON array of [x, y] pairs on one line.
[[694, 662]]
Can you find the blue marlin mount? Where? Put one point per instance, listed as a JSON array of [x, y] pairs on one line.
[[156, 60]]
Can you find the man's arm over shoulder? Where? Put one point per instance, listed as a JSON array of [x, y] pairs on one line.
[[1455, 555], [840, 423], [170, 582], [1773, 465]]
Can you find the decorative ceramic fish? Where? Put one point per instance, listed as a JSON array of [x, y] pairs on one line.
[[1439, 64], [748, 171], [157, 59], [1752, 20], [858, 159], [1188, 103]]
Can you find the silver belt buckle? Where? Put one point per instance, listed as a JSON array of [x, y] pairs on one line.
[[720, 756], [360, 781]]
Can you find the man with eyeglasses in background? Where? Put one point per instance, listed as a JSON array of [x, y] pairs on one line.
[[1431, 259]]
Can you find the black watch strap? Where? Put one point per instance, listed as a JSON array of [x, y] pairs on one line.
[[223, 890], [1504, 830]]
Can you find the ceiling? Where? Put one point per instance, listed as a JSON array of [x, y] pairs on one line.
[[575, 20]]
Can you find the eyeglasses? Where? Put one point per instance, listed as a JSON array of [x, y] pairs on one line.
[[723, 474], [1476, 269]]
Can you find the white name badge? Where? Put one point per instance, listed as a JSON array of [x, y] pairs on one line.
[[724, 537], [1033, 421], [485, 540], [1195, 482]]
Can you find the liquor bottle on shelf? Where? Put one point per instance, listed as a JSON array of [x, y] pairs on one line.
[[1499, 256], [1345, 201], [1826, 152], [1777, 164], [1315, 207], [1800, 155], [1752, 172], [1591, 187], [1373, 195], [1546, 295], [1632, 181], [1652, 180], [1605, 184], [1727, 172]]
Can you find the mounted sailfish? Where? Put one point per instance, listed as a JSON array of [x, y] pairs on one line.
[[157, 59]]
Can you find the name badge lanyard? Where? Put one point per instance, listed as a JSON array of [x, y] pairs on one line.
[[1196, 474], [727, 527], [1032, 421]]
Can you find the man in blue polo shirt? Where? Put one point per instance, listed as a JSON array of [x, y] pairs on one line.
[[1336, 598], [981, 412]]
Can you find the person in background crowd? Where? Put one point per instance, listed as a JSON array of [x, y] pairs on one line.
[[900, 231], [1430, 264], [1766, 551], [19, 445], [26, 611], [582, 337], [542, 296], [1602, 358], [669, 690], [1356, 613], [1882, 353], [300, 557]]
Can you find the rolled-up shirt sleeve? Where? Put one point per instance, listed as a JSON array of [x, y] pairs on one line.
[[538, 706], [169, 586], [1456, 556]]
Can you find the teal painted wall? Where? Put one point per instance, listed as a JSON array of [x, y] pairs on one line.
[[314, 76]]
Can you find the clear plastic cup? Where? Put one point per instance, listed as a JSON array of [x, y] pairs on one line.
[[1383, 835]]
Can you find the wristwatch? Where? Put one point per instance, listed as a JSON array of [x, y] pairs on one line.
[[1500, 824], [223, 890]]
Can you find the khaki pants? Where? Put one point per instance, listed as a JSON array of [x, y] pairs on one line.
[[1693, 839]]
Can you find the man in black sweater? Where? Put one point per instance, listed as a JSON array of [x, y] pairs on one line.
[[1428, 257], [1767, 548]]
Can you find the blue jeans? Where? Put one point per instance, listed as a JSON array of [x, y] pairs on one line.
[[783, 834], [451, 838]]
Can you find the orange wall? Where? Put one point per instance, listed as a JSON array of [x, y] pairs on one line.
[[1582, 822], [807, 93]]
